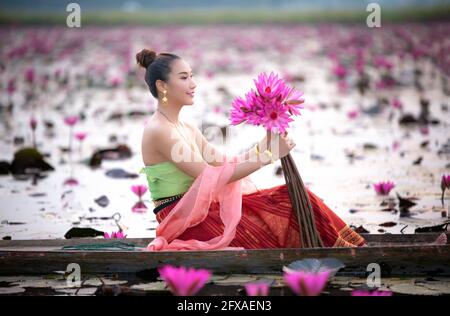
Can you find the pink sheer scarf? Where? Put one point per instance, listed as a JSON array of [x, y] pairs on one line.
[[211, 185]]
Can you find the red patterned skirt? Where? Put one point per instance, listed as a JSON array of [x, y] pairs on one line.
[[269, 222]]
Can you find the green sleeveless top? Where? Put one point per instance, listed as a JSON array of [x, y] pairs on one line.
[[165, 179]]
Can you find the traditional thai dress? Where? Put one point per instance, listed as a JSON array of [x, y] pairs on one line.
[[265, 220]]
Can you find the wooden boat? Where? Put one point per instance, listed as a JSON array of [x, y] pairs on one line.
[[396, 254]]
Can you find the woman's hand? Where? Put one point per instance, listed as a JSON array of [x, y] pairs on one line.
[[279, 144]]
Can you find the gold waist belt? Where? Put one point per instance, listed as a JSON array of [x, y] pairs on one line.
[[168, 199]]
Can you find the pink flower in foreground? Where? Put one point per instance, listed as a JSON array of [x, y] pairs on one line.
[[239, 109], [114, 235], [139, 189], [305, 283], [184, 281], [80, 136], [71, 120], [275, 118], [371, 293], [269, 87], [383, 188], [257, 289], [271, 105]]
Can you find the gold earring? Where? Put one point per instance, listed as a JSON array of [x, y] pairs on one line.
[[164, 99]]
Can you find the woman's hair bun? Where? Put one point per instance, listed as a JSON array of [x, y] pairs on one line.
[[145, 57]]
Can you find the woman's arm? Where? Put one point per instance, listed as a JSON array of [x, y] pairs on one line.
[[174, 148], [210, 153]]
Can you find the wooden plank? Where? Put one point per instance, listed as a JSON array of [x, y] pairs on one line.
[[371, 239], [393, 260]]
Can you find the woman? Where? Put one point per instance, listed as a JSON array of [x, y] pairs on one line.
[[265, 217]]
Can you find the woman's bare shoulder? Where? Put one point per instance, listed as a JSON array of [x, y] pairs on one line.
[[155, 129]]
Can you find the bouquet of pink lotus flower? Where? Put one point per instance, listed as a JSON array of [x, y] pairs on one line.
[[272, 105]]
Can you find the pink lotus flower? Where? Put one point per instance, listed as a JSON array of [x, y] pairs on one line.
[[269, 87], [116, 81], [352, 114], [114, 235], [71, 182], [445, 185], [340, 71], [396, 103], [371, 293], [271, 105], [139, 207], [29, 75], [424, 130], [11, 86], [139, 189], [445, 182], [80, 136], [71, 120], [305, 283], [184, 281], [33, 123], [275, 118], [257, 289], [395, 145], [383, 188]]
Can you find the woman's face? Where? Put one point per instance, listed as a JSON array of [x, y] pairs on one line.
[[181, 85]]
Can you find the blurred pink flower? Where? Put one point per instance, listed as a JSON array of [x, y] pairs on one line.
[[257, 289], [352, 114], [396, 145], [371, 293], [71, 120], [424, 130], [71, 182], [80, 136], [184, 281], [116, 81], [445, 185], [29, 75], [115, 235], [396, 103], [33, 123], [382, 62], [306, 283], [139, 189], [139, 207], [445, 182], [11, 86], [340, 71], [383, 188]]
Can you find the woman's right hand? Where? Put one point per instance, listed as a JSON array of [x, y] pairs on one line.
[[279, 144]]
